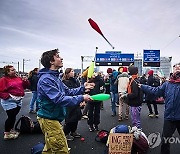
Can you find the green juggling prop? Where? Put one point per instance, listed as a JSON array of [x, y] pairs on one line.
[[100, 97]]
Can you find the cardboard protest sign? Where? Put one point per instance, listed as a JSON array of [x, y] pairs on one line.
[[120, 143]]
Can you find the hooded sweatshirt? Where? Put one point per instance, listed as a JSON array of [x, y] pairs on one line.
[[54, 95]]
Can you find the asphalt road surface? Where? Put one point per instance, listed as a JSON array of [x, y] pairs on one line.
[[24, 143]]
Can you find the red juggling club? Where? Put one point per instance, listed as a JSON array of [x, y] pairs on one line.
[[96, 28]]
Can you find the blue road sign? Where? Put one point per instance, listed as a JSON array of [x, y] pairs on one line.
[[103, 57], [151, 56], [106, 59]]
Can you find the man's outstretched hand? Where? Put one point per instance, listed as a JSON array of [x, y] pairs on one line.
[[87, 98]]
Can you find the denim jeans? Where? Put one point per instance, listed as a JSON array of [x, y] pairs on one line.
[[9, 104], [114, 100], [33, 100]]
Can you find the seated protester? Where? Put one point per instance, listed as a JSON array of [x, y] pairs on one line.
[[94, 106]]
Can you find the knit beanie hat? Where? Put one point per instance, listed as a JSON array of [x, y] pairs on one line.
[[109, 70], [125, 69], [150, 72], [133, 70]]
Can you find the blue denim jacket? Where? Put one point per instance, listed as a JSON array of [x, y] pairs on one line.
[[171, 94]]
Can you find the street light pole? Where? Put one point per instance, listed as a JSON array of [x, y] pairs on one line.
[[82, 58], [18, 67], [24, 63], [39, 63]]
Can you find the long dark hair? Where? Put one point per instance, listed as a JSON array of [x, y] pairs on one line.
[[66, 74], [32, 72]]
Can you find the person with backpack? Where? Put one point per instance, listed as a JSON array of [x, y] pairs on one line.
[[11, 93], [53, 98], [114, 91], [170, 91], [33, 79], [152, 81], [134, 97]]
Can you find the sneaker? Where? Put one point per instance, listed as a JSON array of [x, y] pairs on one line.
[[9, 136], [84, 117], [120, 119], [126, 117], [113, 115], [96, 127], [157, 115], [69, 137], [14, 132], [75, 134], [91, 129], [32, 112], [151, 115]]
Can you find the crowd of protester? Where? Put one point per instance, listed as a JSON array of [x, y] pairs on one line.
[[66, 97]]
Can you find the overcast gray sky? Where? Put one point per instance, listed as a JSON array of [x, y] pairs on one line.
[[30, 27]]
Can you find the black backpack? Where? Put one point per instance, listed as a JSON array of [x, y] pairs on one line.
[[102, 136], [156, 82], [140, 94], [27, 126]]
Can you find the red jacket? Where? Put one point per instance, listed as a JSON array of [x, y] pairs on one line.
[[12, 85]]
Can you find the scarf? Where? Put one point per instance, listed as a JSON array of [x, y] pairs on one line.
[[175, 77], [130, 82]]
